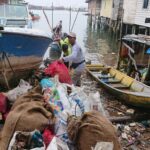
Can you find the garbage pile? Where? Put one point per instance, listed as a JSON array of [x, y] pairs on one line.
[[55, 116], [133, 135]]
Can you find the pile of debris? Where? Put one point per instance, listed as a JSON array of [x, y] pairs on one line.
[[54, 115]]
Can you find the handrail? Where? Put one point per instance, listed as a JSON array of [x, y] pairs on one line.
[[131, 49]]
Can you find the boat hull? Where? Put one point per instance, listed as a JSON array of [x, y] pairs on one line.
[[17, 44], [138, 99]]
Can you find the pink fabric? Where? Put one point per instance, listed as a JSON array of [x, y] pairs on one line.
[[3, 103], [5, 115], [58, 68], [47, 136]]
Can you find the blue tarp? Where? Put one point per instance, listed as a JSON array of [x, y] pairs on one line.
[[148, 51]]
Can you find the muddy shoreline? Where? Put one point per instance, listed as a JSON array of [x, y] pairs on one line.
[[133, 135]]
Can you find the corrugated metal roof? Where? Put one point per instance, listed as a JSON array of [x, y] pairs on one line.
[[145, 39]]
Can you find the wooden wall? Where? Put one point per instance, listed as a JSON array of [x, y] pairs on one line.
[[94, 6], [142, 14], [3, 1], [106, 9], [129, 11]]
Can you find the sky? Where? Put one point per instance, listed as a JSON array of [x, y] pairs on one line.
[[66, 3]]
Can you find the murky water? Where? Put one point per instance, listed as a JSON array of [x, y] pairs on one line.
[[92, 41]]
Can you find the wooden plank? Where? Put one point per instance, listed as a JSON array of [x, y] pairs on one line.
[[111, 81], [105, 77], [120, 86], [137, 117]]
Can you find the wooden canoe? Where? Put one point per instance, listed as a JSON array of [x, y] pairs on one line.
[[122, 86]]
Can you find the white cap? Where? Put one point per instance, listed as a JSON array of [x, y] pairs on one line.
[[71, 34]]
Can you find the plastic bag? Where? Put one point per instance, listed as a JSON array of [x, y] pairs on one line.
[[58, 68], [21, 89], [62, 90], [47, 136], [35, 137], [57, 144], [80, 102], [77, 106], [61, 127], [46, 83], [95, 103], [3, 103]]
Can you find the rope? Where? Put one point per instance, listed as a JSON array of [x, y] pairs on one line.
[[2, 58]]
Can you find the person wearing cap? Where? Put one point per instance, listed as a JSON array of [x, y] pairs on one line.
[[76, 58]]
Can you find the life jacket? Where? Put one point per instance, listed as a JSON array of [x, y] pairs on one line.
[[66, 41]]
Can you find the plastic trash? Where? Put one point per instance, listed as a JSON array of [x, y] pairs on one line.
[[57, 144], [34, 136], [58, 68], [22, 88], [61, 127], [62, 90], [95, 103], [3, 103], [46, 83], [77, 106]]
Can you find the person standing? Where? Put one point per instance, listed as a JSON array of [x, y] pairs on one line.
[[58, 29], [76, 58]]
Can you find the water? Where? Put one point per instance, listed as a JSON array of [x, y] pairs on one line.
[[93, 41]]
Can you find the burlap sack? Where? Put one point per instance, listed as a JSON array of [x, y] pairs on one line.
[[28, 113], [91, 128]]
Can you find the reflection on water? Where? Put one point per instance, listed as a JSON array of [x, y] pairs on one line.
[[93, 41], [104, 42]]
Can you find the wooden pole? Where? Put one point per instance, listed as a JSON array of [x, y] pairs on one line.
[[126, 29], [70, 20], [90, 23], [147, 78], [47, 20], [52, 16], [75, 19], [137, 117], [121, 27]]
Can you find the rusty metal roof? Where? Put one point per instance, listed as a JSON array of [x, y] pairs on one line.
[[145, 39]]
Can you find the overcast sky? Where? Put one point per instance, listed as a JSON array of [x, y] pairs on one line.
[[68, 3]]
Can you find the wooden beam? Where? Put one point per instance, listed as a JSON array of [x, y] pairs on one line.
[[131, 49]]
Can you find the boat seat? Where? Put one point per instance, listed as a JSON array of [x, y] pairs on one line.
[[137, 86], [111, 81], [105, 77], [112, 72], [120, 86]]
